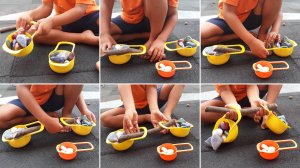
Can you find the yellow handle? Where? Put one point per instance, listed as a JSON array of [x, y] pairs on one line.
[[84, 150], [294, 43], [140, 46], [235, 45], [36, 122], [138, 138], [239, 117], [175, 49], [65, 42], [183, 62], [62, 119], [161, 124], [280, 62]]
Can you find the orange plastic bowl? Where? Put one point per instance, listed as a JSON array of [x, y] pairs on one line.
[[263, 74], [168, 157], [65, 156], [166, 74], [269, 156]]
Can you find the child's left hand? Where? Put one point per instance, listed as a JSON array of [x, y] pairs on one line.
[[156, 117], [44, 26], [156, 50], [90, 115], [259, 114]]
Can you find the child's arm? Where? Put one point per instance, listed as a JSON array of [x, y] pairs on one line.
[[84, 109], [273, 92], [106, 11], [70, 16], [274, 33], [43, 11], [229, 99], [156, 114], [173, 100], [52, 124], [157, 48], [130, 121], [257, 47]]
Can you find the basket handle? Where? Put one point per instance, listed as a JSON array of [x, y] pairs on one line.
[[140, 46], [236, 45], [62, 120], [175, 49], [163, 126], [65, 42], [287, 148], [84, 150], [183, 62], [184, 150], [280, 62], [144, 135], [35, 132], [239, 116]]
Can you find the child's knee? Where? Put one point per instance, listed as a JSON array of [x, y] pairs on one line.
[[105, 120]]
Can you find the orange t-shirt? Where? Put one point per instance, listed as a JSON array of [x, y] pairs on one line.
[[133, 10], [42, 93], [139, 96], [61, 6], [239, 91], [243, 7]]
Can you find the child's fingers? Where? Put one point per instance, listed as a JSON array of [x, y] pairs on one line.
[[154, 55]]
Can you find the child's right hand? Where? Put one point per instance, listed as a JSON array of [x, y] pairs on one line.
[[106, 42], [53, 125], [23, 21], [130, 122], [232, 115], [258, 48]]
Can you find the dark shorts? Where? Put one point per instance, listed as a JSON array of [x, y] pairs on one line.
[[54, 103], [88, 22], [127, 28], [146, 110], [252, 22], [245, 101]]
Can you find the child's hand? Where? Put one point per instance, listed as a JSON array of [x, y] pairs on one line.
[[90, 116], [156, 50], [168, 116], [272, 37], [106, 42], [232, 115], [259, 114], [53, 126], [156, 117], [44, 26], [258, 48], [130, 122], [23, 21]]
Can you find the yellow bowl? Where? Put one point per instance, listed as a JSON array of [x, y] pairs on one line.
[[18, 53], [78, 129], [275, 124], [24, 140], [186, 52], [124, 58], [177, 131], [285, 52], [62, 67], [128, 143]]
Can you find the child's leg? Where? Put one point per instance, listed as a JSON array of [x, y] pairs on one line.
[[212, 34], [11, 115], [172, 94], [55, 36], [71, 94], [211, 117], [114, 118]]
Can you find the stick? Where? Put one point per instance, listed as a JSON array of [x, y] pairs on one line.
[[8, 28], [150, 131], [22, 132], [229, 50], [122, 51], [224, 110]]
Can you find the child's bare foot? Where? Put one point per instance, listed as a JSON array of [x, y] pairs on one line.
[[89, 38]]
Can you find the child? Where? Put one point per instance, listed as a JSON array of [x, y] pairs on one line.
[[240, 96], [140, 19], [237, 17], [75, 21], [35, 101], [142, 103]]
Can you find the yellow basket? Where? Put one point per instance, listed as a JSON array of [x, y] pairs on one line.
[[128, 143], [234, 130], [78, 129], [124, 58], [62, 67], [224, 58], [186, 52], [284, 52], [23, 52], [177, 131], [24, 140]]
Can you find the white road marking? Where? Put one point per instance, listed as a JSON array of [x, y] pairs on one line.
[[290, 88], [116, 103], [88, 95]]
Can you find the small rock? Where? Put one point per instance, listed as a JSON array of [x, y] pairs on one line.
[[283, 24], [290, 97], [186, 23], [187, 105]]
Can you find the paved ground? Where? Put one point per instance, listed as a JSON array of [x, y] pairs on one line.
[[34, 68], [242, 152], [143, 153], [239, 68], [41, 152], [138, 70]]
